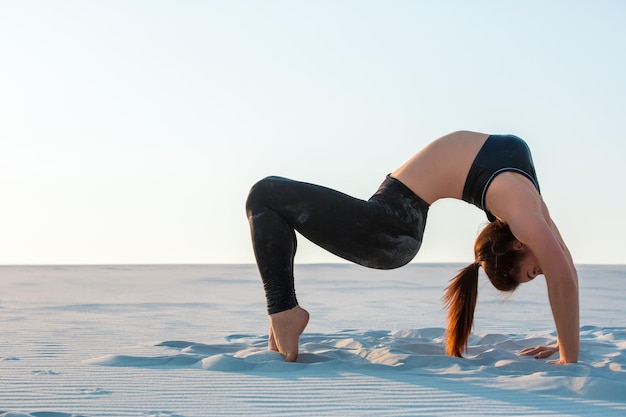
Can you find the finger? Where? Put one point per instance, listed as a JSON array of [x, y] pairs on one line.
[[530, 350], [547, 352], [525, 351], [543, 354]]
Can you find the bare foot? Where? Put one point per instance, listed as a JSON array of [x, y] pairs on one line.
[[285, 330]]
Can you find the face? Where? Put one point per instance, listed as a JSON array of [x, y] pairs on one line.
[[529, 267]]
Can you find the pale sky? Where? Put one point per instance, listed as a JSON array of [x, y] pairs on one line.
[[131, 131]]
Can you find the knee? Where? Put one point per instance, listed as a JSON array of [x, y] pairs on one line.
[[260, 193]]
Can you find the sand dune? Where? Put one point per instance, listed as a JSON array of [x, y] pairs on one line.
[[182, 341]]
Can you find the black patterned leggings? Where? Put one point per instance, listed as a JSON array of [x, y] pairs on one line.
[[384, 232]]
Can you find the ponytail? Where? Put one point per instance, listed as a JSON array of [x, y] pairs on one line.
[[460, 299], [495, 253]]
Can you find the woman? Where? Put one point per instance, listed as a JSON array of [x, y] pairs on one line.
[[493, 172]]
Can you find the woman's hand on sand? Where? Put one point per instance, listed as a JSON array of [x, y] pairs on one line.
[[539, 352]]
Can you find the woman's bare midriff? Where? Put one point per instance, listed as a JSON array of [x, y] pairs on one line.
[[439, 170]]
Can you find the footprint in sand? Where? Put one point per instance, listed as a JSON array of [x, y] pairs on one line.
[[95, 391], [48, 372], [162, 414]]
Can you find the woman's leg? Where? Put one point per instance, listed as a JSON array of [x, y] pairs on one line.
[[384, 232], [372, 233]]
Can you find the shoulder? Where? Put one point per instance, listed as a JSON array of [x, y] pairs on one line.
[[513, 199]]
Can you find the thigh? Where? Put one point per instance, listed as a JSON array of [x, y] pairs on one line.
[[311, 209], [354, 229]]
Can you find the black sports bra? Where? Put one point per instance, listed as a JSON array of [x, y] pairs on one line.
[[499, 153]]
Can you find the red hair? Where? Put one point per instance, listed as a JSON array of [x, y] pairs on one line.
[[493, 250]]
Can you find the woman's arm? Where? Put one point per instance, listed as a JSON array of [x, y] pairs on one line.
[[519, 204], [562, 282]]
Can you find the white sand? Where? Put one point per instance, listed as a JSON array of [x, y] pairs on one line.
[[173, 341]]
